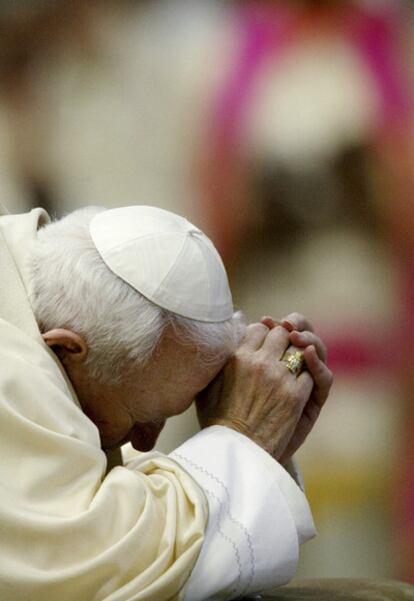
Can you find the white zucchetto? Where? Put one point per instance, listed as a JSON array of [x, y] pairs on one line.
[[165, 258]]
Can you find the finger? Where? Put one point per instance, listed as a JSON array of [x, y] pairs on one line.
[[303, 385], [270, 322], [276, 343], [321, 374], [304, 381], [311, 413], [304, 339], [254, 336], [298, 322]]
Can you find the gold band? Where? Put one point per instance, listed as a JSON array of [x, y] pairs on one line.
[[294, 362]]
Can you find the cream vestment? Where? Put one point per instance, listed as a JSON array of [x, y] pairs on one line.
[[214, 520]]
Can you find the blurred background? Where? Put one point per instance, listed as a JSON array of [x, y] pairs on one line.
[[284, 130]]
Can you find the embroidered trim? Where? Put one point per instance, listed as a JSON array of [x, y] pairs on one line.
[[233, 591], [231, 518]]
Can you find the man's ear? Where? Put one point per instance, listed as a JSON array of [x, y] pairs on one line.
[[67, 345]]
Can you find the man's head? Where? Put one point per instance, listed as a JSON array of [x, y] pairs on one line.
[[130, 360]]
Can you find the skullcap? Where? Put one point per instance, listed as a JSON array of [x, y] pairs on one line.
[[165, 258]]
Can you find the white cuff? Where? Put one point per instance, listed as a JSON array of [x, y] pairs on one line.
[[258, 516]]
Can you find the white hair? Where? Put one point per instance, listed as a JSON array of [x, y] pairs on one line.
[[71, 287]]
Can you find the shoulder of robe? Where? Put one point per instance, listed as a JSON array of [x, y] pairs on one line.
[[32, 387], [51, 460]]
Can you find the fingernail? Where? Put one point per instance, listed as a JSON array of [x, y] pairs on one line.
[[268, 322], [288, 325]]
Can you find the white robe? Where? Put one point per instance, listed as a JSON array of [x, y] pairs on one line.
[[216, 519]]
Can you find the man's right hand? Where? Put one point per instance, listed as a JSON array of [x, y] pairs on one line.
[[256, 394]]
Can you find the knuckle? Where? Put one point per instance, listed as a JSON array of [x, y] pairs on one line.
[[319, 374], [291, 315], [286, 384], [314, 337], [279, 330], [241, 356], [324, 377], [330, 378], [261, 365], [281, 371], [256, 327], [297, 317], [301, 321], [278, 333], [318, 342], [294, 395], [294, 399]]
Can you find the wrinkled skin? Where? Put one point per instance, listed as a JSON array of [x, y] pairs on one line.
[[253, 392], [258, 396]]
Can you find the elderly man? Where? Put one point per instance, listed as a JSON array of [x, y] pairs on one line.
[[112, 321]]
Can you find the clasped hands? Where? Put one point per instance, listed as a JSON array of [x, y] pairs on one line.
[[258, 396]]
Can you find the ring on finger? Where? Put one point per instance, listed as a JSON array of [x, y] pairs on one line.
[[294, 362]]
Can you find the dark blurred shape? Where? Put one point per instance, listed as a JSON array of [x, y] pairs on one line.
[[292, 204], [29, 30]]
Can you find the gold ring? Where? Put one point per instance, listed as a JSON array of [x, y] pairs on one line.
[[294, 362]]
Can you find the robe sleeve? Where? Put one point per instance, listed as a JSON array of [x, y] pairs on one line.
[[67, 530], [258, 516]]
